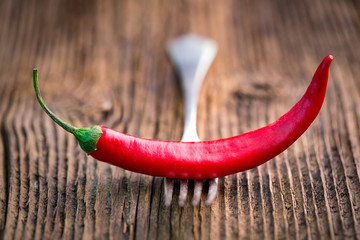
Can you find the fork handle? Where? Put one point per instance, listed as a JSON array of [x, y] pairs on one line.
[[192, 56], [191, 96], [191, 80]]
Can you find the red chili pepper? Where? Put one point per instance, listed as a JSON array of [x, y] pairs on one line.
[[206, 159]]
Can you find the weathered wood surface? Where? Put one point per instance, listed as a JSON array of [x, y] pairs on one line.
[[104, 62]]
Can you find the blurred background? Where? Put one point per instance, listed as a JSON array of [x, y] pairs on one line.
[[104, 62]]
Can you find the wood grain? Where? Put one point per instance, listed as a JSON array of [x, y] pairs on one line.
[[104, 62]]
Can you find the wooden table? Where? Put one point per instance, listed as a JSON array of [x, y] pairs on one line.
[[104, 62]]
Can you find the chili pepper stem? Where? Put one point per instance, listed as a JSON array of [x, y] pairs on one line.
[[87, 137]]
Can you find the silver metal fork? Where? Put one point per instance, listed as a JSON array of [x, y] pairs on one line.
[[192, 56]]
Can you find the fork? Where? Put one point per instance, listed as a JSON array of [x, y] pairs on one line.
[[192, 56]]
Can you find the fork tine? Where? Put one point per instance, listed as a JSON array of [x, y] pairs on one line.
[[169, 188], [197, 192], [183, 192], [213, 186]]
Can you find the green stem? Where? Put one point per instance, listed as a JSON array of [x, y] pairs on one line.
[[87, 137], [59, 121]]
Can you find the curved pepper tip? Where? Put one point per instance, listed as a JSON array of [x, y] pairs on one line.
[[326, 62], [328, 59]]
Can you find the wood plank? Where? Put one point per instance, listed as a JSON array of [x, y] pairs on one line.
[[104, 62]]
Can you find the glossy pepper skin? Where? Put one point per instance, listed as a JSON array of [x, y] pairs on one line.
[[217, 158], [210, 159]]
